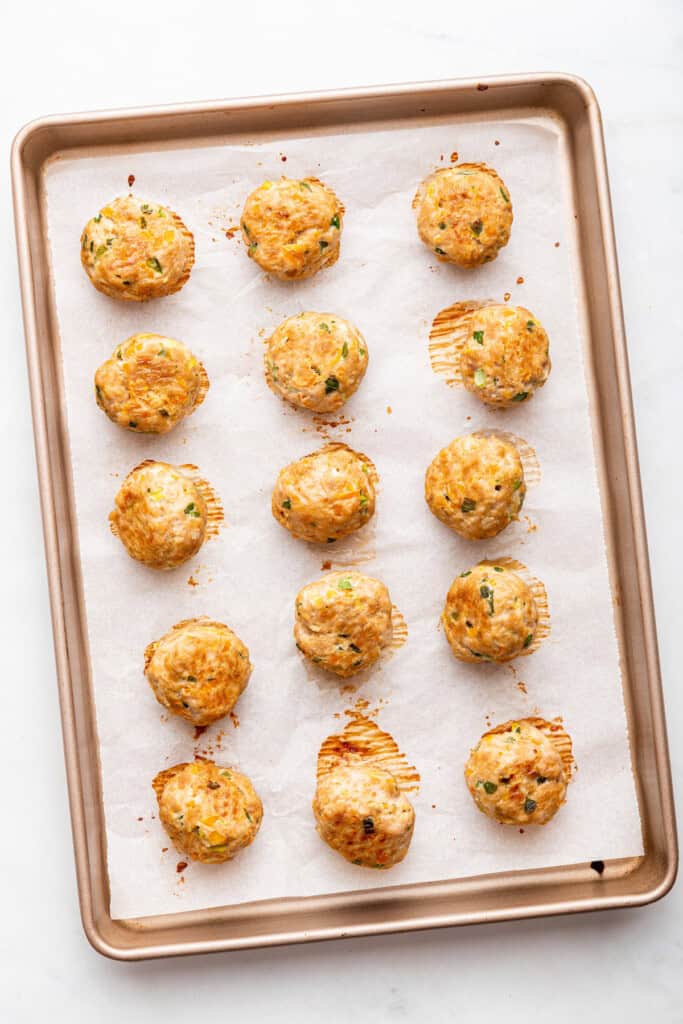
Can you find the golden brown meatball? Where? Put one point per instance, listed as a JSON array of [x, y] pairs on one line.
[[464, 214], [476, 485], [292, 228], [150, 383], [343, 621], [518, 772], [198, 670], [326, 495], [490, 614], [134, 250], [162, 515], [210, 811], [361, 813], [505, 358], [316, 360]]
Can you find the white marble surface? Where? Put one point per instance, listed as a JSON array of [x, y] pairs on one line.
[[76, 55]]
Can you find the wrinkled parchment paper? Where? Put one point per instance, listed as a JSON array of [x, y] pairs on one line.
[[388, 284]]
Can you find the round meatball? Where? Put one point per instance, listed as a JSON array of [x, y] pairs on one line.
[[150, 383], [292, 228], [476, 485], [506, 355], [160, 515], [135, 251], [490, 614], [343, 621], [198, 670], [516, 775], [326, 495], [211, 812], [316, 360], [464, 214], [361, 813]]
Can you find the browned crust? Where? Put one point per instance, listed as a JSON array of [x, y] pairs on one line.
[[554, 731]]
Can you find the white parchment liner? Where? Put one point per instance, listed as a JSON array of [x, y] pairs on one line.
[[389, 285]]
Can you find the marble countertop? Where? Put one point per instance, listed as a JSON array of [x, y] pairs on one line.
[[74, 55]]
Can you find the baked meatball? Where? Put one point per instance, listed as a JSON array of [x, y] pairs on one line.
[[326, 495], [162, 515], [476, 485], [198, 670], [210, 811], [343, 621], [361, 812], [292, 228], [518, 772], [490, 614], [464, 214], [135, 250], [505, 357], [316, 361], [150, 384]]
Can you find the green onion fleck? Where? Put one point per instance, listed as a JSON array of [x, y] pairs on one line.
[[521, 396], [529, 325], [325, 327], [467, 505], [468, 572], [529, 805], [528, 639], [479, 337], [331, 384], [287, 503], [516, 485], [504, 194], [304, 184], [344, 584], [334, 223], [153, 262], [490, 787], [345, 350], [439, 251], [191, 510], [480, 378]]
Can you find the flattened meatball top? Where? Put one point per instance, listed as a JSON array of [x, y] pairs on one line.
[[210, 811], [292, 228], [326, 495], [150, 384], [135, 250], [506, 356], [361, 813], [198, 669], [464, 214], [160, 515], [316, 360], [476, 485], [490, 614], [343, 621], [516, 775]]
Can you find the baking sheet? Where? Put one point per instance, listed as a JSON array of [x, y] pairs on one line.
[[436, 707]]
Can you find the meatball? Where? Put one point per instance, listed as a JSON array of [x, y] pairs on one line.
[[476, 485], [316, 360], [490, 614], [198, 670], [505, 357], [326, 495], [464, 214], [291, 228], [150, 384], [343, 621], [162, 515], [361, 813], [211, 812], [135, 250], [518, 772]]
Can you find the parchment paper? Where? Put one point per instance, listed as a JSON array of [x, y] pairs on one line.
[[387, 283]]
